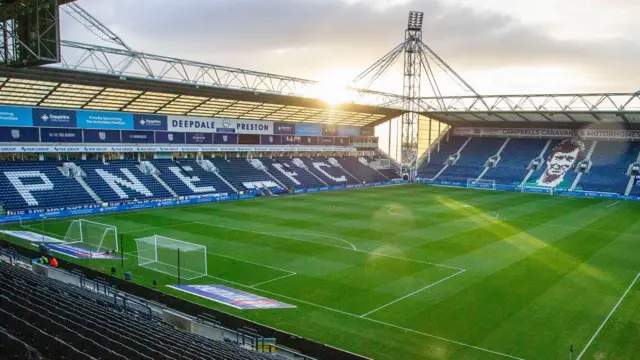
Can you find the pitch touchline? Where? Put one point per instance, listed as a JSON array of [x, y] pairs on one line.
[[608, 316], [411, 294], [371, 320]]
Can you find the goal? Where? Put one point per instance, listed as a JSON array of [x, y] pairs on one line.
[[537, 189], [172, 257], [481, 184], [94, 236]]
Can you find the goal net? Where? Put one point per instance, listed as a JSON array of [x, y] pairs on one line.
[[94, 236], [481, 184], [172, 257]]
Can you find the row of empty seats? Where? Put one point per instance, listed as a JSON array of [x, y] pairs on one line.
[[74, 323], [44, 185]]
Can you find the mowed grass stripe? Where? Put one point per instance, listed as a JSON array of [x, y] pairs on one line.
[[492, 250]]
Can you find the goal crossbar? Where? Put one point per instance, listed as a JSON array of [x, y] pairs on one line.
[[481, 184], [172, 257], [92, 234]]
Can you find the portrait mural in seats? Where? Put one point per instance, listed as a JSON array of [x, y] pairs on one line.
[[560, 161]]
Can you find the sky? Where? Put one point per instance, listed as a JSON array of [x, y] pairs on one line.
[[497, 46]]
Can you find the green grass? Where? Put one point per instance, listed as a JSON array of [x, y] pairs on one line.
[[540, 272]]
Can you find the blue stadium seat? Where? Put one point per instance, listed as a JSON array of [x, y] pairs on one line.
[[610, 162], [514, 159], [439, 156], [39, 185], [186, 178], [121, 180], [472, 159], [240, 171]]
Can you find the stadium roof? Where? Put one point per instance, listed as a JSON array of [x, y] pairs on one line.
[[63, 88], [550, 110]]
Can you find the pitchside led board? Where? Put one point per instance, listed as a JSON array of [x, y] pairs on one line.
[[68, 126]]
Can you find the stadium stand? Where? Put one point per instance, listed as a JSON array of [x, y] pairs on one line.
[[44, 318], [472, 159], [361, 171], [292, 173], [34, 185], [439, 156], [39, 185], [121, 180], [611, 161], [329, 171], [187, 177], [241, 173], [514, 160]]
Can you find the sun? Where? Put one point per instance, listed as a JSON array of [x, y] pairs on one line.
[[332, 88]]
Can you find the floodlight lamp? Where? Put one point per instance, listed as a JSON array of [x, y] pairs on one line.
[[415, 21]]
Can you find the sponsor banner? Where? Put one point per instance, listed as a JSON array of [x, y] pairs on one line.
[[19, 134], [80, 253], [270, 139], [231, 139], [348, 131], [367, 131], [291, 140], [241, 126], [309, 129], [309, 140], [163, 137], [548, 133], [58, 135], [149, 122], [104, 120], [135, 149], [330, 130], [326, 141], [31, 236], [191, 124], [101, 136], [284, 128], [200, 138], [137, 137], [15, 116], [54, 118], [342, 141], [232, 297]]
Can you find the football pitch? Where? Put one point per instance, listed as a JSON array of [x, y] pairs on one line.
[[417, 271]]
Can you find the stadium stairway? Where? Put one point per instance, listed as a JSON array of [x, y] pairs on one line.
[[240, 173], [328, 171], [429, 169], [39, 185], [514, 159], [187, 178], [121, 180], [610, 163], [290, 174], [472, 159], [360, 170]]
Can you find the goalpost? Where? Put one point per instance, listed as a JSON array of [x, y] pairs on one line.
[[95, 236], [537, 189], [172, 257], [481, 184]]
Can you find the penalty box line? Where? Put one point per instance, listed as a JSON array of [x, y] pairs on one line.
[[608, 317], [411, 294], [398, 327]]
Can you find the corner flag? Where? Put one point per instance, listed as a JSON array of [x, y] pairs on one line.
[[571, 349]]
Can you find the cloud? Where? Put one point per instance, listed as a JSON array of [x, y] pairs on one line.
[[304, 37]]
